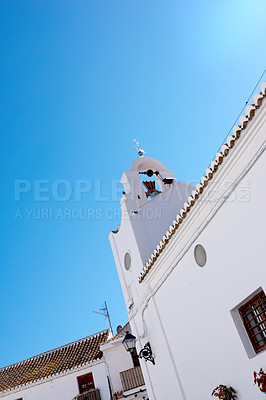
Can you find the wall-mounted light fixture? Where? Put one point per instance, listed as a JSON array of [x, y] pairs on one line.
[[129, 343]]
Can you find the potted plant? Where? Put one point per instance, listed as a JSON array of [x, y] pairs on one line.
[[225, 393], [118, 395], [260, 380]]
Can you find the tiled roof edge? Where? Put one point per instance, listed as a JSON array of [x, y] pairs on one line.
[[47, 378], [54, 350], [214, 166]]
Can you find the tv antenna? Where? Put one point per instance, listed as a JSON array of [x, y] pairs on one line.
[[106, 314], [141, 152]]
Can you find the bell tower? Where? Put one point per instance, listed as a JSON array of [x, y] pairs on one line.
[[151, 200]]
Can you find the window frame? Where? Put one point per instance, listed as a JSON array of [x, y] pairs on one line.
[[88, 377], [253, 316]]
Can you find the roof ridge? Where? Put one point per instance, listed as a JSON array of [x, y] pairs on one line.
[[213, 167], [48, 352]]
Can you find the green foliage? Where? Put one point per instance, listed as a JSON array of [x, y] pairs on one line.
[[225, 393]]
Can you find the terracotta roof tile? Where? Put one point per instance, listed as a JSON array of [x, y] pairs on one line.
[[54, 362]]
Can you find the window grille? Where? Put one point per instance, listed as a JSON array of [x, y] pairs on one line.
[[253, 314]]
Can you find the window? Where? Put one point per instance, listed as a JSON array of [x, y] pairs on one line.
[[85, 383], [253, 315]]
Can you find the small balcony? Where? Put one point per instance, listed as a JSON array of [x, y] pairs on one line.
[[131, 378], [93, 394]]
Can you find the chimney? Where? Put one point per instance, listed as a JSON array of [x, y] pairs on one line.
[[118, 329]]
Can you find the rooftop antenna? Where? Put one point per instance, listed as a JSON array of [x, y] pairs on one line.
[[141, 152], [106, 314]]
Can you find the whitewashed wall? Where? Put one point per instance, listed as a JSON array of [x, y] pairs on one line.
[[139, 233], [64, 387], [117, 359], [194, 304], [186, 312]]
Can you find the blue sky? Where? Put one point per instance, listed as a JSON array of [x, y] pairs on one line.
[[79, 80]]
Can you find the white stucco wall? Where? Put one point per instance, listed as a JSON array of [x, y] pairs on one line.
[[140, 233], [194, 304], [117, 359], [186, 312], [63, 387]]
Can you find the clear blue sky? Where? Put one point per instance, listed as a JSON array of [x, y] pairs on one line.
[[79, 80]]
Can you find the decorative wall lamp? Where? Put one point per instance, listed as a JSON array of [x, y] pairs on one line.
[[129, 343]]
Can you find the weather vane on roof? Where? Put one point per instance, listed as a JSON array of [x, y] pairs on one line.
[[141, 152]]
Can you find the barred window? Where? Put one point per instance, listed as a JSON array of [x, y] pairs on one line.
[[253, 314], [85, 383]]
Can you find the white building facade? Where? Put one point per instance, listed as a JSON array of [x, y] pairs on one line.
[[194, 278], [94, 368]]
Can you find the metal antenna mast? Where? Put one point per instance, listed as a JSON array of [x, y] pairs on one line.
[[106, 314]]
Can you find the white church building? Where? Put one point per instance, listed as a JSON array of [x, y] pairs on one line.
[[192, 267]]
